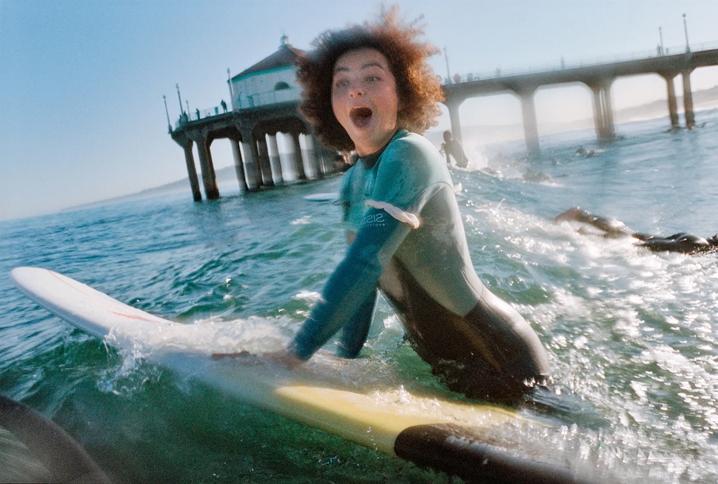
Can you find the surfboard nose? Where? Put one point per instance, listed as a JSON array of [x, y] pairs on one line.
[[20, 275]]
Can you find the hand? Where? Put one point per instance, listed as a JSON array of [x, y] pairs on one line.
[[244, 356], [282, 358]]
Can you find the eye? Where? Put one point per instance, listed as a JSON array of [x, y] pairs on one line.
[[373, 78], [340, 83]]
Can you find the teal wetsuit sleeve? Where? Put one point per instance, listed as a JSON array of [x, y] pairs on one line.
[[351, 284], [355, 332]]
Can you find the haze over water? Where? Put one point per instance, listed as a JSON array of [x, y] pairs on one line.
[[631, 334]]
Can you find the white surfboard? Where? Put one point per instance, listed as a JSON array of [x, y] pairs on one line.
[[428, 431], [322, 197]]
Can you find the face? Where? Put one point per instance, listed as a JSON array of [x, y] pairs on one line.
[[364, 98]]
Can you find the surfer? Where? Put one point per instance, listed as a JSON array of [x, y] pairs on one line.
[[679, 242], [369, 89], [452, 149]]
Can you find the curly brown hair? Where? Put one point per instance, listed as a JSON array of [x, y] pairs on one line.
[[417, 86]]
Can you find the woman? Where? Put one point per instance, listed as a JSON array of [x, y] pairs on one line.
[[369, 89]]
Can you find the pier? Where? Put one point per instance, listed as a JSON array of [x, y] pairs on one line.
[[265, 100], [598, 78]]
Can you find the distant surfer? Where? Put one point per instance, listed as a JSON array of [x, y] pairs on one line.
[[452, 148], [369, 88], [679, 242]]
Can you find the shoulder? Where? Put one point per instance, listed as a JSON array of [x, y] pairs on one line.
[[414, 153]]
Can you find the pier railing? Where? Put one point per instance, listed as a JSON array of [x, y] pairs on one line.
[[246, 102]]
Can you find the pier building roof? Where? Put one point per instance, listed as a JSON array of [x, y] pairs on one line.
[[285, 56]]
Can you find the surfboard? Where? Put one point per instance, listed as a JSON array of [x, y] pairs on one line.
[[430, 432], [322, 197]]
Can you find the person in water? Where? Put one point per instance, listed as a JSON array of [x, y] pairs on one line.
[[680, 242], [452, 149], [369, 89]]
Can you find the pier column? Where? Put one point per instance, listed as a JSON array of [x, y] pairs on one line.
[[191, 171], [298, 156], [250, 165], [608, 110], [688, 99], [672, 104], [598, 122], [238, 165], [602, 110], [454, 118], [249, 155], [185, 142], [325, 157], [263, 161], [208, 177], [309, 148], [529, 115], [274, 162]]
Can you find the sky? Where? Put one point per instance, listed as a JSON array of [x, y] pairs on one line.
[[81, 81]]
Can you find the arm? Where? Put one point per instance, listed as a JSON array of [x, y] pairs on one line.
[[352, 283], [355, 332]]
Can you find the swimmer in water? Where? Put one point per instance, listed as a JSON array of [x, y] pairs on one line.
[[369, 88], [680, 242]]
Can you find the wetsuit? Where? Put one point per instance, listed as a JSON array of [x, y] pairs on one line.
[[410, 241], [680, 242], [453, 148]]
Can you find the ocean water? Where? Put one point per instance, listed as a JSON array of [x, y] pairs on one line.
[[631, 334]]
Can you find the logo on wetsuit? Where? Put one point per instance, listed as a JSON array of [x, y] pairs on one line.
[[373, 219]]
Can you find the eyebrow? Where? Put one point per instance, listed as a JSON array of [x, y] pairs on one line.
[[364, 66]]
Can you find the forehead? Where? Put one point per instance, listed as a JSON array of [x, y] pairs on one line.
[[358, 58]]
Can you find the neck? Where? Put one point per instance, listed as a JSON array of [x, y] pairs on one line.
[[373, 150]]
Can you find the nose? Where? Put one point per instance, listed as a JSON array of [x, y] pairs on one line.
[[356, 91]]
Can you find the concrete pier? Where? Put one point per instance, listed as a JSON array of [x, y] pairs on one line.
[[191, 170], [251, 172], [298, 157], [528, 111], [688, 99], [209, 179], [671, 96], [309, 157], [274, 161], [264, 103], [453, 106], [238, 165], [602, 111], [598, 78], [265, 169]]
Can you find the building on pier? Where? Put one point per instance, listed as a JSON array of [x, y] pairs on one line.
[[271, 142]]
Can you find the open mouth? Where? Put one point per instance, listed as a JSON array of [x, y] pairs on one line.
[[360, 116]]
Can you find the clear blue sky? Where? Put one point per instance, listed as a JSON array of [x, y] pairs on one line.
[[82, 81]]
